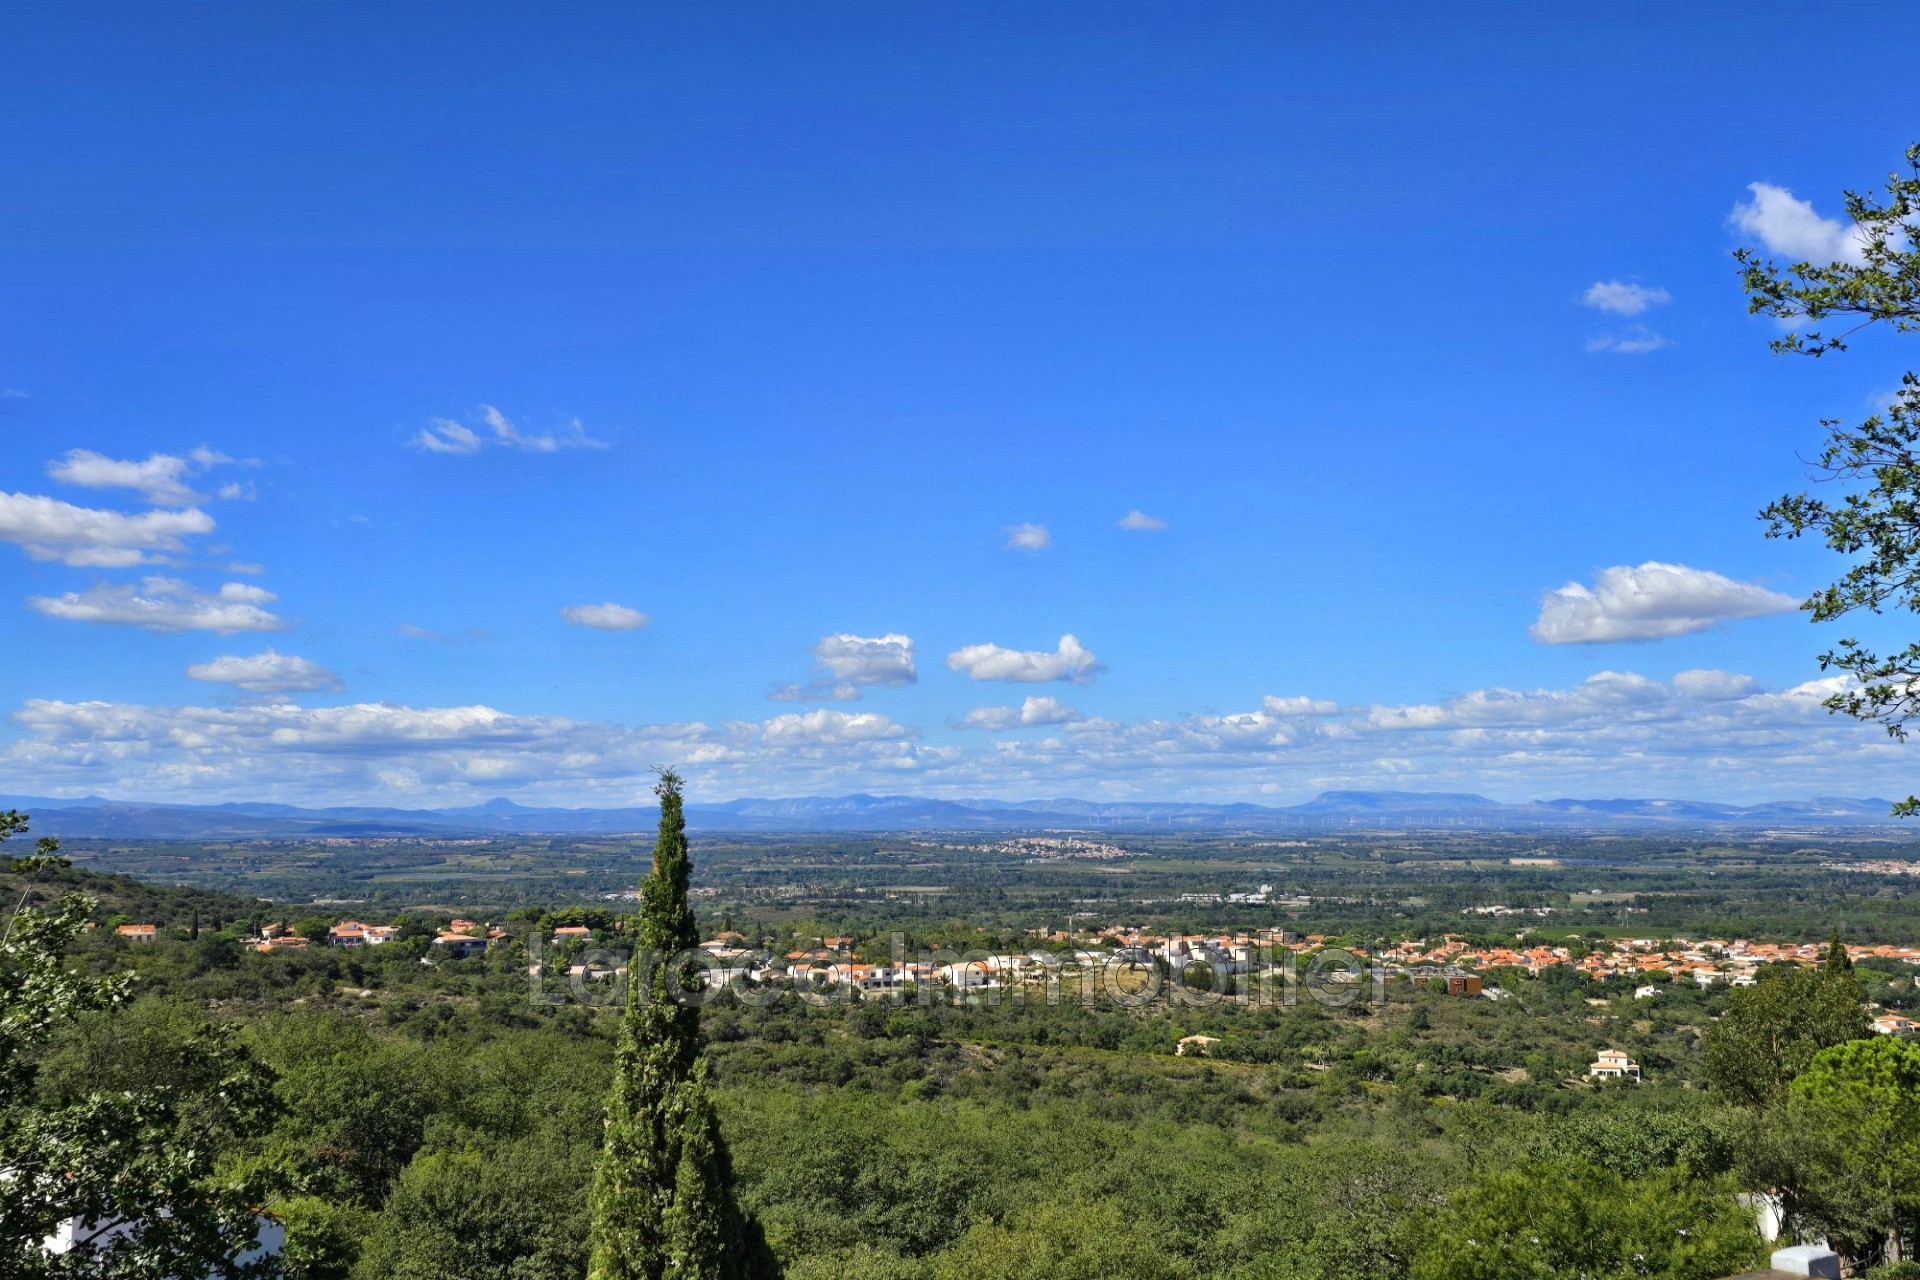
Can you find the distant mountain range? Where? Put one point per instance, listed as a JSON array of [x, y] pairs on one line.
[[1330, 811]]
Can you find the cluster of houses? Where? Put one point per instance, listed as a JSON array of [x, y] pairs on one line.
[[459, 938], [1704, 962], [1452, 960], [834, 964]]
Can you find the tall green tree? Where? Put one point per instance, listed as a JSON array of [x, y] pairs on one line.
[[1772, 1029], [1873, 514], [663, 1206], [1862, 1101], [1837, 960]]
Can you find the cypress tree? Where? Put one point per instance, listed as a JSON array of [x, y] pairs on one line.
[[663, 1205]]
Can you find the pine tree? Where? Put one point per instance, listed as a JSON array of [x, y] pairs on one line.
[[1837, 961], [663, 1206]]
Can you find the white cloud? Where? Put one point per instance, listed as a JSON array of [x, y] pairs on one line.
[[416, 755], [1032, 712], [445, 435], [847, 662], [604, 617], [1619, 733], [13, 393], [1072, 662], [1789, 226], [572, 436], [822, 727], [1621, 696], [266, 672], [1622, 298], [1652, 601], [1299, 706], [1140, 522], [1027, 537], [1714, 686], [1700, 734], [882, 660], [165, 604], [161, 479], [49, 529], [1636, 341]]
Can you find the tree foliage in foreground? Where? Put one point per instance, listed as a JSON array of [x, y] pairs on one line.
[[1571, 1221], [663, 1205], [1876, 519], [1771, 1031], [135, 1163], [1858, 1105]]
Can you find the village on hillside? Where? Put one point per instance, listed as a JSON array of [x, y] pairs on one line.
[[1240, 965]]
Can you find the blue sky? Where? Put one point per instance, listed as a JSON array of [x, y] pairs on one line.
[[777, 323]]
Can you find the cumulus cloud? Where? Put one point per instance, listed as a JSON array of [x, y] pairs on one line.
[[882, 660], [1299, 706], [1707, 734], [1140, 522], [1789, 226], [1622, 298], [448, 436], [266, 672], [419, 754], [1032, 712], [161, 479], [1071, 661], [165, 604], [822, 727], [1618, 733], [848, 662], [1621, 696], [1027, 537], [1625, 711], [87, 537], [1652, 601], [604, 617]]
